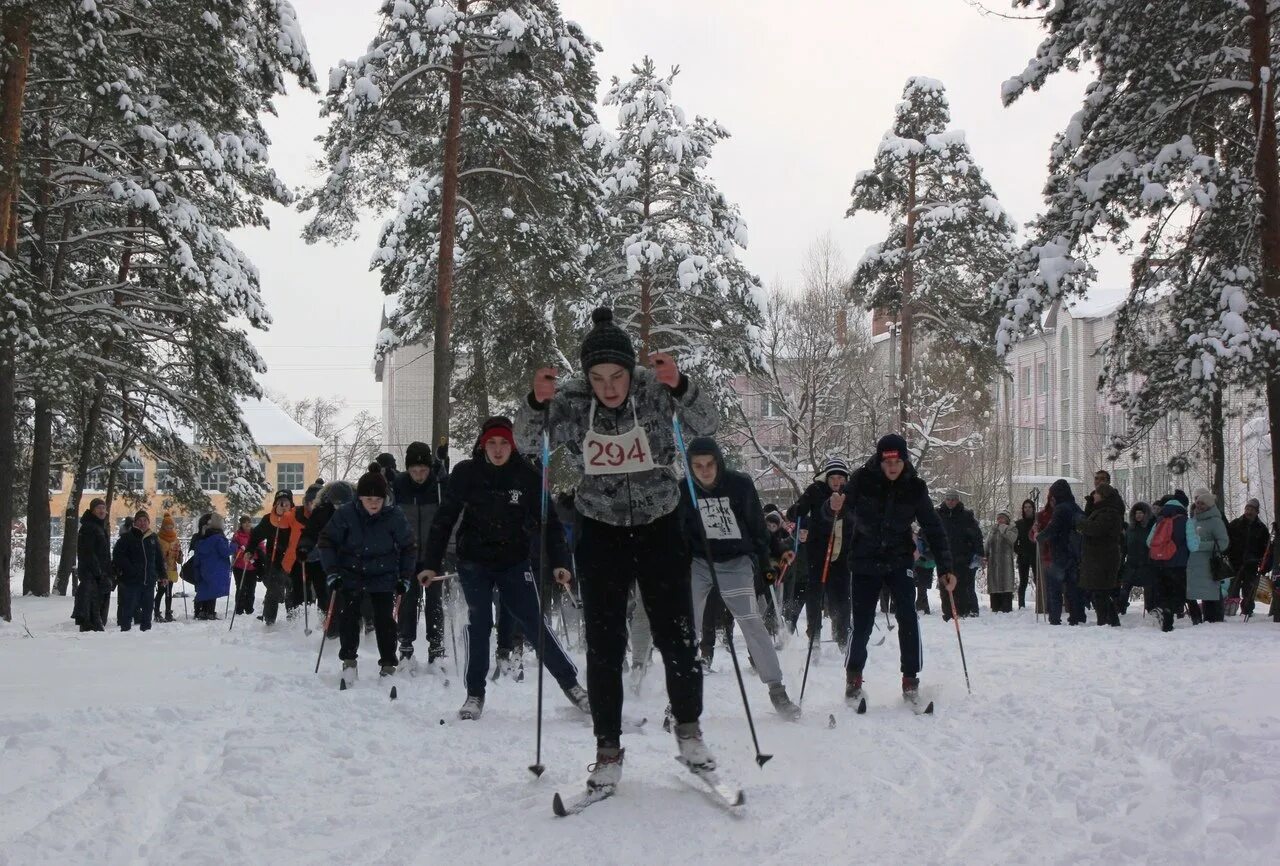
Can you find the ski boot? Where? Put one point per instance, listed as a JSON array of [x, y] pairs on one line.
[[471, 709], [349, 674], [408, 663], [387, 670], [854, 696], [694, 753], [606, 772], [502, 666], [577, 696], [435, 661], [668, 719], [782, 703], [910, 690]]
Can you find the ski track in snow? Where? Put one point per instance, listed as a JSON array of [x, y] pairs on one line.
[[1079, 745]]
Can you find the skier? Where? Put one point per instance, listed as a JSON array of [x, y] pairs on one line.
[[614, 421], [275, 531], [965, 540], [884, 496], [93, 566], [728, 514], [293, 564], [332, 496], [497, 495], [244, 566], [367, 550], [139, 562], [418, 492], [816, 507]]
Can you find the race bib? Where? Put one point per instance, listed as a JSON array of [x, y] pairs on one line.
[[718, 520], [603, 454]]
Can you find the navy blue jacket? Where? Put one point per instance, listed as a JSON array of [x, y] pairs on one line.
[[1064, 543], [137, 558], [813, 505], [731, 490], [370, 551], [883, 512], [501, 512]]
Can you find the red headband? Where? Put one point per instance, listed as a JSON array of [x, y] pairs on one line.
[[889, 455], [503, 432]]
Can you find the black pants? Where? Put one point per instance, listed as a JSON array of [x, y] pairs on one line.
[[965, 593], [1002, 602], [410, 608], [349, 601], [246, 589], [1212, 611], [836, 598], [1104, 605], [1244, 586], [610, 559], [866, 590], [276, 579], [1171, 594], [133, 603], [924, 581], [1025, 570], [164, 591]]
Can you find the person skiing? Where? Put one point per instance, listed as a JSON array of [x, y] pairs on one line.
[[1248, 544], [614, 421], [418, 491], [367, 549], [213, 553], [275, 531], [884, 496], [332, 496], [729, 516], [139, 562], [93, 566], [244, 566], [964, 538], [815, 507], [497, 496]]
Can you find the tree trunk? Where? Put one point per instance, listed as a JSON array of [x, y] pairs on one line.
[[908, 290], [71, 516], [35, 577], [441, 372], [17, 33], [1218, 446], [1267, 174], [482, 379]]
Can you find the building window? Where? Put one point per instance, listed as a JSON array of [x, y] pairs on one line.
[[289, 476], [1042, 375], [55, 480], [214, 479], [1024, 387], [1024, 443], [770, 406], [131, 475], [1042, 442], [165, 482]]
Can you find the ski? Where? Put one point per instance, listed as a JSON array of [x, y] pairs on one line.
[[722, 793], [922, 711], [862, 707], [561, 810]]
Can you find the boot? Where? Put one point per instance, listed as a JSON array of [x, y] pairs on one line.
[[782, 702], [349, 672], [408, 663], [577, 696], [853, 695], [911, 689], [693, 751], [472, 707], [606, 772], [386, 670]]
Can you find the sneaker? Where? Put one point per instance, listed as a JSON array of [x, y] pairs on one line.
[[693, 752], [606, 772], [853, 693], [349, 674], [782, 703], [472, 707], [577, 696], [386, 670]]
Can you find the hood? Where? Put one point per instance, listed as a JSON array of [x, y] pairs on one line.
[[337, 493], [701, 447], [1140, 506], [1060, 490], [1112, 500], [1209, 513], [88, 518], [1173, 508]]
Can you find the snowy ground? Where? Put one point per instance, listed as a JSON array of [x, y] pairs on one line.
[[191, 745]]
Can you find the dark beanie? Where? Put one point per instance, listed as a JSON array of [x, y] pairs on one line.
[[891, 443], [607, 343], [386, 461], [94, 503], [372, 483], [282, 494], [417, 454], [1180, 497]]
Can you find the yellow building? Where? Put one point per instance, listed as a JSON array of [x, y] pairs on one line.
[[293, 463]]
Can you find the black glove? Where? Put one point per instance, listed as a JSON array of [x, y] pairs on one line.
[[334, 581]]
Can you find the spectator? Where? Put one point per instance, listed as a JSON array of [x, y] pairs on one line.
[[965, 539], [1103, 531], [1249, 539], [1204, 584], [1001, 544], [1172, 540], [172, 549], [1025, 550], [1137, 569], [93, 568], [213, 557], [1062, 577], [139, 563]]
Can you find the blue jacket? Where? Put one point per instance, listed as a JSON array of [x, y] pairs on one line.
[[137, 558], [1184, 536], [370, 551], [1065, 545], [213, 557], [883, 512]]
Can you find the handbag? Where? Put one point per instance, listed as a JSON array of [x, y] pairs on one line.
[[1219, 568], [190, 571]]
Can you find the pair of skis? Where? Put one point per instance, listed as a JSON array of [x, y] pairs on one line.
[[721, 793]]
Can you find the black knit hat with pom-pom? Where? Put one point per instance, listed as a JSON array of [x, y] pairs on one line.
[[607, 343]]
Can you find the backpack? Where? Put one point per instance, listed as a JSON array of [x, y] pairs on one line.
[[1163, 548], [190, 571]]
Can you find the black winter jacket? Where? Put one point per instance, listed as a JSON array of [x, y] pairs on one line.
[[883, 512], [370, 551], [419, 502], [963, 533], [814, 506], [93, 551], [501, 511], [732, 504], [1248, 543], [137, 558]]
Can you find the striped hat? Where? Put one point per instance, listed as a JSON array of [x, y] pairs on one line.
[[834, 465]]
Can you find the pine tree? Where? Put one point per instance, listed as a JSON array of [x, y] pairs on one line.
[[471, 115], [1166, 146], [948, 240], [669, 261]]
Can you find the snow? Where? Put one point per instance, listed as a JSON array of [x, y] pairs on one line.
[[191, 744], [267, 423]]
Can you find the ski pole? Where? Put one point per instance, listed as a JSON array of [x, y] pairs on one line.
[[232, 624], [536, 767], [761, 759], [324, 638], [813, 633], [453, 636], [306, 603], [955, 617]]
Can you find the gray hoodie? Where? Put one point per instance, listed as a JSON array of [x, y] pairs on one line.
[[633, 499]]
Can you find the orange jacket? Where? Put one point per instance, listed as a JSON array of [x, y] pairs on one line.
[[299, 516]]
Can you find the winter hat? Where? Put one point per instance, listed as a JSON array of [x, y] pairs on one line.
[[834, 465], [606, 343], [1253, 503], [215, 522], [1004, 512], [1205, 498], [417, 454], [1180, 497], [167, 524], [892, 445], [282, 494], [1104, 490], [952, 493], [312, 492], [337, 493], [141, 514], [387, 461], [372, 483], [95, 502], [499, 426]]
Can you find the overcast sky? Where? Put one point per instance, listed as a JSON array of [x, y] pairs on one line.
[[806, 88]]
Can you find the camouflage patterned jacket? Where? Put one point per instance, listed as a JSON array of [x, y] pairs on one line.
[[633, 499]]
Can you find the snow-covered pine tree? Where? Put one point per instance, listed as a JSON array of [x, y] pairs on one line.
[[471, 115], [1166, 144], [669, 261], [144, 165], [948, 240]]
